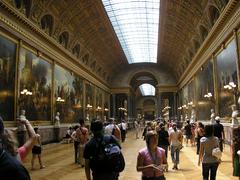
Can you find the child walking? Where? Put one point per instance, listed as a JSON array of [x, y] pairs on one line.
[[37, 150]]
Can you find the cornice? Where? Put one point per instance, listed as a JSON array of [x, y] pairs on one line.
[[166, 88], [41, 41], [125, 90], [221, 30]]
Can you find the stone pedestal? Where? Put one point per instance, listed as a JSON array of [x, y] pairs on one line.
[[21, 137], [56, 131]]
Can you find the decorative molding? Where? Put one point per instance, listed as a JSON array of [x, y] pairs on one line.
[[166, 88], [126, 90]]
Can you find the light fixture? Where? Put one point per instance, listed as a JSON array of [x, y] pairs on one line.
[[230, 85], [59, 99], [98, 108], [190, 103], [26, 92], [89, 106], [208, 95]]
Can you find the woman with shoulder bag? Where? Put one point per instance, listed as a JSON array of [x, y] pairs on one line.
[[209, 161]]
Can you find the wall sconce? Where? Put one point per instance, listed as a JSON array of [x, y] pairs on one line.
[[231, 87], [106, 109], [89, 106], [122, 109], [26, 92], [190, 103], [208, 95], [59, 99], [99, 108]]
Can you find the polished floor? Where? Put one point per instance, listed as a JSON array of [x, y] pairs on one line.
[[58, 159]]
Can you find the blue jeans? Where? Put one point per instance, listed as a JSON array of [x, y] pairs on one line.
[[209, 167], [175, 154]]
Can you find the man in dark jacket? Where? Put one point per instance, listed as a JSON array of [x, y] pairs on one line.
[[91, 153], [219, 132]]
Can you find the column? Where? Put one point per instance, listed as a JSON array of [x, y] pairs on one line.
[[114, 105], [129, 104]]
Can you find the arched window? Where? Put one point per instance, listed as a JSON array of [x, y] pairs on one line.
[[190, 54], [147, 89], [25, 5], [213, 14], [99, 70], [196, 45], [63, 39], [85, 59], [203, 32], [47, 24], [76, 50], [93, 66], [104, 75], [18, 3]]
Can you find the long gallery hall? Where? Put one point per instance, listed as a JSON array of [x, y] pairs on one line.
[[83, 82], [59, 163]]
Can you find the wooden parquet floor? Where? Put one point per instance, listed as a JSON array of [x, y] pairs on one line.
[[59, 159]]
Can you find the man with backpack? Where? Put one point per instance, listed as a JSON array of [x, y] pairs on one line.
[[102, 155]]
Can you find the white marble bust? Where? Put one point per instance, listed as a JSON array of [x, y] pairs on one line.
[[57, 119], [234, 115], [20, 126], [193, 115], [212, 117]]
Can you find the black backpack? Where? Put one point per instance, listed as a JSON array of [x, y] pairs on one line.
[[108, 156]]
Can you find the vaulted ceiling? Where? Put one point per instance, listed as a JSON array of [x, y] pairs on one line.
[[83, 28]]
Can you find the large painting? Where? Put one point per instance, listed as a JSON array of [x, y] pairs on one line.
[[68, 95], [106, 105], [205, 91], [226, 73], [7, 78], [89, 89], [99, 102], [35, 76]]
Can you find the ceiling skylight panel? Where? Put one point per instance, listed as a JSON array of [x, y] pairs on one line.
[[136, 25], [147, 90]]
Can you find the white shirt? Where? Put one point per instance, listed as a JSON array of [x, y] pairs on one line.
[[124, 126], [109, 129], [174, 136]]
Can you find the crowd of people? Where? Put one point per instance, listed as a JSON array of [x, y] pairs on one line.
[[90, 146]]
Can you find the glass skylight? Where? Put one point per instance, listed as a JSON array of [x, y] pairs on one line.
[[136, 25], [147, 90]]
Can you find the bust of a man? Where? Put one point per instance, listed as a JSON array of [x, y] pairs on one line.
[[57, 119], [212, 117], [22, 116], [234, 115], [193, 115]]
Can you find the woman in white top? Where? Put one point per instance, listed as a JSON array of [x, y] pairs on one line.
[[209, 162], [175, 138]]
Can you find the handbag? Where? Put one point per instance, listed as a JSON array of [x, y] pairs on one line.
[[216, 152]]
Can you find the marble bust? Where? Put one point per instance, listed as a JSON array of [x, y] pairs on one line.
[[193, 115], [234, 115], [57, 119], [212, 117], [20, 126]]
